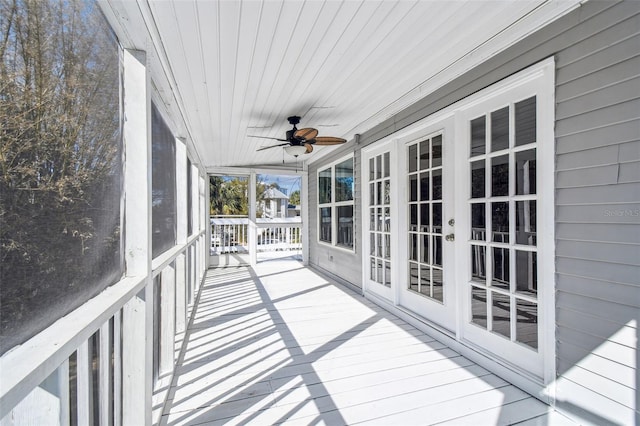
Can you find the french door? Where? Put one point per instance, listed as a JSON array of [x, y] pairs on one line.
[[428, 224], [379, 214], [458, 221], [505, 199]]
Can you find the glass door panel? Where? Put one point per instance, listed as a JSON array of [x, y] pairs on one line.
[[377, 175], [502, 287], [428, 207]]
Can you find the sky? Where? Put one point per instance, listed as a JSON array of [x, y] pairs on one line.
[[286, 182]]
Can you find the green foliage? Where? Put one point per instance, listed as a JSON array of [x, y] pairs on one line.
[[60, 158]]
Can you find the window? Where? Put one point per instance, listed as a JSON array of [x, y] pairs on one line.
[[335, 204]]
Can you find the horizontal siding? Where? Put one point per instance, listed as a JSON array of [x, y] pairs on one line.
[[598, 216]]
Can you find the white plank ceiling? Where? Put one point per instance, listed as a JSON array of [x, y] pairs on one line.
[[230, 69]]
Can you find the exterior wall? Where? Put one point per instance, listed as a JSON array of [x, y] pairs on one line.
[[342, 263], [597, 51]]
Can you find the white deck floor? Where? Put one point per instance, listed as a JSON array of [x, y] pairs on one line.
[[282, 344]]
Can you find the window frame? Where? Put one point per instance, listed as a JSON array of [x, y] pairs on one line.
[[334, 205]]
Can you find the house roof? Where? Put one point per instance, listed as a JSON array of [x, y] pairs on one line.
[[274, 194]]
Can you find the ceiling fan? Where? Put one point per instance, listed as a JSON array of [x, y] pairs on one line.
[[301, 141]]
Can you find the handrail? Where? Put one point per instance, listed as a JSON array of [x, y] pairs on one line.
[[24, 367]]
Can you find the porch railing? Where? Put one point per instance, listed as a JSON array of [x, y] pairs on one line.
[[80, 369], [231, 234]]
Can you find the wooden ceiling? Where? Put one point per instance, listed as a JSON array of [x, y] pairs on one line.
[[234, 68]]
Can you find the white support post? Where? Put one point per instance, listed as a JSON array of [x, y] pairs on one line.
[[181, 234], [252, 228], [304, 201], [104, 381], [117, 369], [137, 318], [168, 319], [84, 389]]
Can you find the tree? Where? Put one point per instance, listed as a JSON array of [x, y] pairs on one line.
[[294, 198], [60, 161], [228, 196]]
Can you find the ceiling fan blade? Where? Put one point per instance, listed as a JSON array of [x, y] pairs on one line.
[[306, 134], [329, 140], [267, 137], [274, 146], [309, 148]]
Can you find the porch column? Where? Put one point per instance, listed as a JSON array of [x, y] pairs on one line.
[[137, 318], [181, 234], [304, 213], [253, 229]]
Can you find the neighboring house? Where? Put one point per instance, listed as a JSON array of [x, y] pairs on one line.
[[274, 204]]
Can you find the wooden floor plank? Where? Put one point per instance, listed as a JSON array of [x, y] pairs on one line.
[[284, 345]]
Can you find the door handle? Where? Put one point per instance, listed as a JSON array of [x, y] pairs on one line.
[[450, 237]]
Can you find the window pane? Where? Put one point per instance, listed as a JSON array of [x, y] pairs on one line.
[[479, 306], [424, 217], [413, 247], [501, 314], [164, 185], [527, 323], [324, 186], [436, 283], [526, 222], [413, 188], [387, 191], [413, 276], [437, 250], [413, 158], [526, 121], [500, 176], [527, 272], [500, 222], [500, 268], [378, 167], [478, 222], [372, 169], [478, 136], [61, 187], [500, 129], [344, 180], [387, 165], [436, 193], [477, 179], [478, 263], [526, 172], [424, 155], [387, 274], [413, 217], [437, 217], [425, 280], [345, 226], [325, 224], [436, 151], [424, 186], [424, 249]]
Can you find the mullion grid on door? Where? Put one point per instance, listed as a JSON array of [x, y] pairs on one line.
[[491, 246], [379, 219], [425, 218]]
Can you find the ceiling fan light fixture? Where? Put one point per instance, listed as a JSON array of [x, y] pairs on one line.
[[295, 150]]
